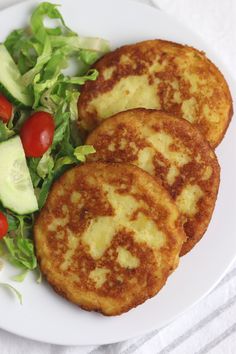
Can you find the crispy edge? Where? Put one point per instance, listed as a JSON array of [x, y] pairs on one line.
[[189, 244], [150, 291], [117, 52]]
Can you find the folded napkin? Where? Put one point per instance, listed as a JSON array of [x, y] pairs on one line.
[[210, 326]]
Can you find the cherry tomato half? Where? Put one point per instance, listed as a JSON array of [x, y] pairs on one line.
[[37, 134], [6, 109], [3, 225]]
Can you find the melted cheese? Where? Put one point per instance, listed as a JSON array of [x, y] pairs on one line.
[[126, 259], [162, 142], [207, 173], [135, 92], [101, 231], [188, 199], [73, 242], [99, 276], [145, 159], [173, 172]]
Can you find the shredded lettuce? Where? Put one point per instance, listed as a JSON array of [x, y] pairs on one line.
[[28, 77], [44, 190], [82, 151], [45, 165], [63, 161], [14, 290], [33, 165], [80, 80], [37, 20], [13, 222], [21, 276], [20, 246], [43, 55], [5, 132], [76, 43], [23, 49]]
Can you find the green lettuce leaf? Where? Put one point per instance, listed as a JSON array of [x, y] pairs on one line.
[[23, 49], [21, 276], [80, 80], [2, 248], [72, 97], [89, 57], [39, 88], [58, 61], [29, 76], [82, 151], [21, 252], [44, 190], [13, 221], [5, 132], [45, 165], [14, 290], [60, 131], [38, 275], [37, 25], [33, 165], [66, 146], [19, 244], [62, 161], [42, 54], [41, 34], [76, 43]]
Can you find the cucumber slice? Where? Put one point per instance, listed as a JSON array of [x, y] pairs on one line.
[[16, 188], [11, 80]]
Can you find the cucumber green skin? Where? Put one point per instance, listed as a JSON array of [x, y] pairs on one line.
[[11, 80], [12, 99], [17, 212], [10, 205]]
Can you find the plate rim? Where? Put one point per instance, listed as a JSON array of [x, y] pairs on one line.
[[232, 85]]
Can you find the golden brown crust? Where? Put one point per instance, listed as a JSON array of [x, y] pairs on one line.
[[172, 151], [163, 75], [108, 237]]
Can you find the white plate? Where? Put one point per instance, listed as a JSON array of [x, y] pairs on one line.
[[47, 317]]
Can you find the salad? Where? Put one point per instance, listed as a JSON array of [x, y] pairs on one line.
[[39, 135]]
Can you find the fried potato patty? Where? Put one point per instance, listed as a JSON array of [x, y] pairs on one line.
[[170, 149], [108, 237], [161, 75]]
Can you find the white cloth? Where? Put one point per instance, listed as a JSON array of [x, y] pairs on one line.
[[213, 20], [209, 327]]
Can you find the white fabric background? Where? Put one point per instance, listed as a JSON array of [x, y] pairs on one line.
[[213, 20], [210, 327]]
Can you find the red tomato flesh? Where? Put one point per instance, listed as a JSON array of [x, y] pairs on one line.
[[3, 225], [37, 134], [6, 109]]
